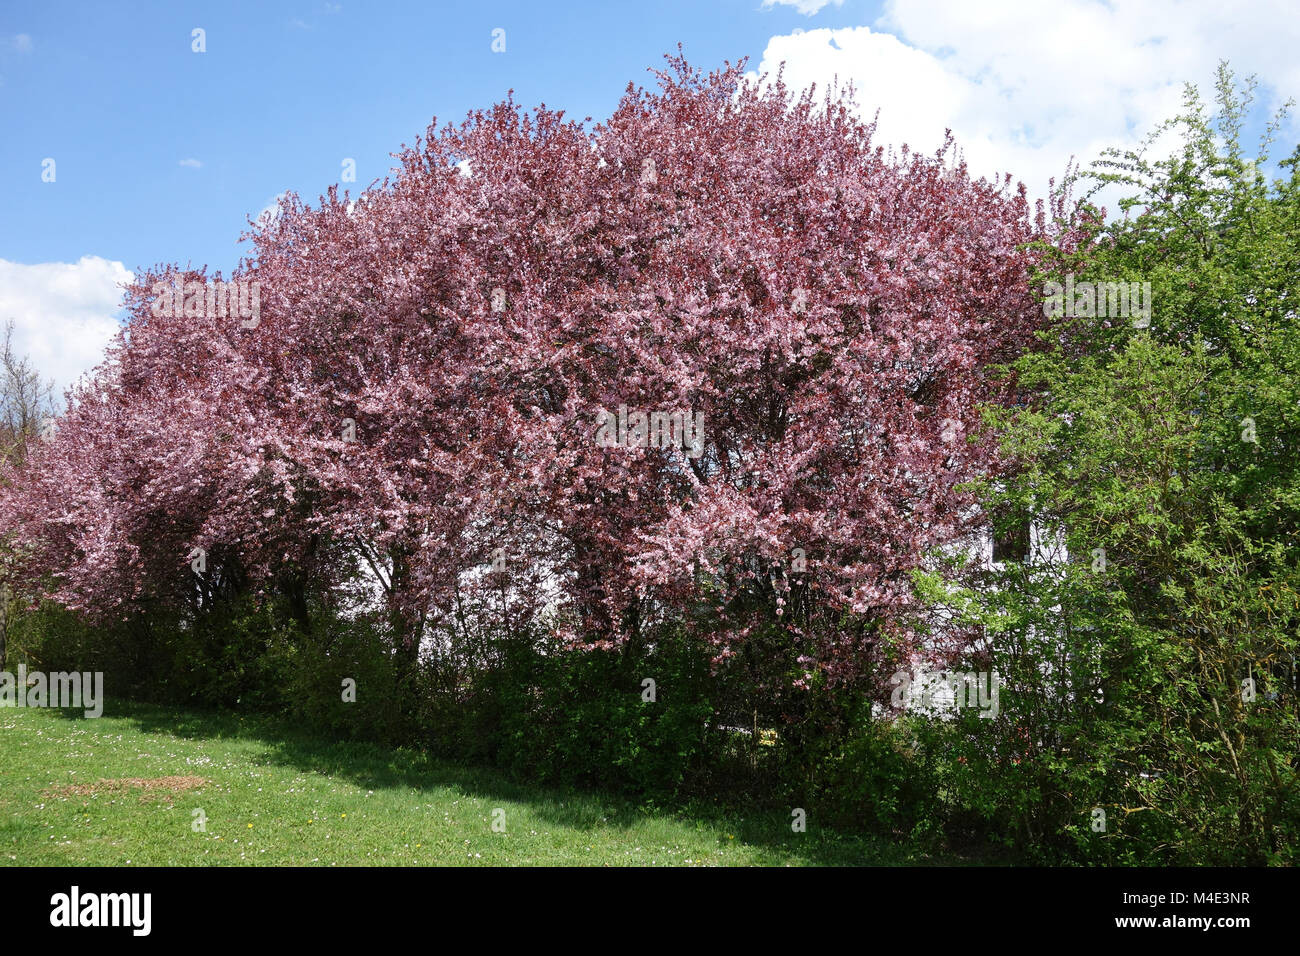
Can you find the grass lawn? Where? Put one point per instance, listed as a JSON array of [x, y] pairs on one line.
[[123, 789]]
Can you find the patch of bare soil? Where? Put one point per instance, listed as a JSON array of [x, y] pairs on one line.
[[155, 787]]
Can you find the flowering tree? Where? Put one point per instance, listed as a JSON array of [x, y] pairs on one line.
[[713, 363]]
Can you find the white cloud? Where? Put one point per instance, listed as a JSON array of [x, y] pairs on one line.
[[1024, 85], [806, 7], [192, 163], [63, 313], [20, 43], [271, 210]]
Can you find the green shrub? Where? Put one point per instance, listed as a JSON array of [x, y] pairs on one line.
[[581, 716]]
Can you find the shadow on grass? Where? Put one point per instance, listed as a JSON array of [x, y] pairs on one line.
[[377, 767]]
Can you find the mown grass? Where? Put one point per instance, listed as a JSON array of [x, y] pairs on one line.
[[272, 795]]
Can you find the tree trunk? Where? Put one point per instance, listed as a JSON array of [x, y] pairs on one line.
[[4, 625]]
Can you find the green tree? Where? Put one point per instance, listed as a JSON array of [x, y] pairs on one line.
[[1149, 644]]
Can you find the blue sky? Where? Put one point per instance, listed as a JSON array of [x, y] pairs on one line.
[[160, 153], [285, 92]]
